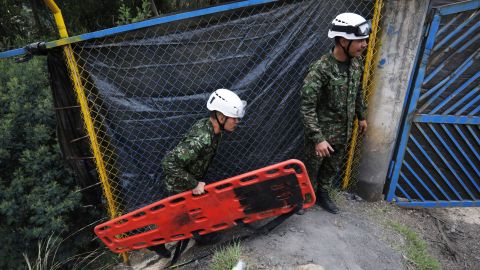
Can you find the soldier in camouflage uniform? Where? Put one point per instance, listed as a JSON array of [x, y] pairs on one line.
[[331, 98], [186, 165]]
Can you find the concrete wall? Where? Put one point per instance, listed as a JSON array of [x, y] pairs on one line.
[[402, 27]]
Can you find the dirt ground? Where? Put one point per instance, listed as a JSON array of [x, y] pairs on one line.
[[358, 238]]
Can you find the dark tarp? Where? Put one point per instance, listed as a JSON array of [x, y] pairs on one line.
[[147, 87]]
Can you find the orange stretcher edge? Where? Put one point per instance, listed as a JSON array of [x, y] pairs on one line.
[[263, 193]]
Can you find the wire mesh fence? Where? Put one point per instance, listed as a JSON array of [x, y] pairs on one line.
[[144, 89]]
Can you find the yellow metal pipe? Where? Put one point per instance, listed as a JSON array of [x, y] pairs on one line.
[[82, 99], [57, 14], [372, 46]]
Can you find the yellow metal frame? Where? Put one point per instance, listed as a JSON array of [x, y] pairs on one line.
[[369, 61], [82, 100]]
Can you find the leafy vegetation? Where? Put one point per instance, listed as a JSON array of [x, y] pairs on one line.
[[38, 193], [126, 16], [226, 257]]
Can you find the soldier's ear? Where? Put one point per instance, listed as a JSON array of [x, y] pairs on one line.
[[343, 41], [221, 117]]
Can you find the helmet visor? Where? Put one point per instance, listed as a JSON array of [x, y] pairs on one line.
[[364, 29], [361, 30]]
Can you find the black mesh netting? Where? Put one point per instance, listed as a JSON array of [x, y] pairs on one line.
[[146, 88]]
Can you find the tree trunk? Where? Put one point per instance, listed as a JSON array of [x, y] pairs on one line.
[[153, 7], [164, 6], [36, 18]]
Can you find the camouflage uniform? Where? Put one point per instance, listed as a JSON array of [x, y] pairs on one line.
[[330, 99], [188, 162]]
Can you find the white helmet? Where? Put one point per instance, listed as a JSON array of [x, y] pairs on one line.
[[226, 102], [350, 26]]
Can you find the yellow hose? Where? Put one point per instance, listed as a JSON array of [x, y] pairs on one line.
[[82, 100], [372, 46]]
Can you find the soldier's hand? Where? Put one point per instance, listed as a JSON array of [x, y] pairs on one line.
[[323, 149], [362, 126], [199, 189]]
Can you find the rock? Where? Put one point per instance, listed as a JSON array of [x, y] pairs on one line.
[[309, 266]]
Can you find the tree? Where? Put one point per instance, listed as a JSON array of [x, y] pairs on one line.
[[38, 197]]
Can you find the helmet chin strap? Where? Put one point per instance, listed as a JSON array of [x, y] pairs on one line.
[[346, 51], [221, 125]]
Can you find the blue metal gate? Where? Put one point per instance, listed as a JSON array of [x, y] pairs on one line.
[[437, 160]]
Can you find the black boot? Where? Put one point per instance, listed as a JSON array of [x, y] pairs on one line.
[[161, 250], [323, 199]]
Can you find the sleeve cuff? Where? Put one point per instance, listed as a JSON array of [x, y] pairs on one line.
[[318, 138]]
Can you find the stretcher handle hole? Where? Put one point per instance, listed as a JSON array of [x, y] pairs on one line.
[[272, 171], [157, 207], [140, 214], [104, 228], [121, 221], [197, 232], [177, 236], [156, 240], [220, 225], [137, 231], [240, 221], [308, 198], [223, 186], [249, 178], [296, 167], [177, 200]]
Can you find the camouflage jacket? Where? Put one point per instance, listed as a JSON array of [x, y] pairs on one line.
[[330, 99], [188, 162]]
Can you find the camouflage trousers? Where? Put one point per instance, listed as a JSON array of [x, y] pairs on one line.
[[325, 171]]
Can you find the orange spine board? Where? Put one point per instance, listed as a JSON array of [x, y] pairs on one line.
[[275, 190]]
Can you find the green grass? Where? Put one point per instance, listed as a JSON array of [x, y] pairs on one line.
[[415, 249], [226, 257], [47, 259]]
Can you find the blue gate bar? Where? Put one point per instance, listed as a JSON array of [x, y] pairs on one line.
[[444, 178], [474, 111], [445, 27], [462, 37], [460, 50], [451, 79], [455, 93], [439, 204], [457, 30], [454, 172], [469, 161], [473, 134], [459, 7], [447, 119], [428, 174], [469, 104], [413, 104], [462, 100], [405, 179], [464, 138], [142, 24], [404, 193]]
